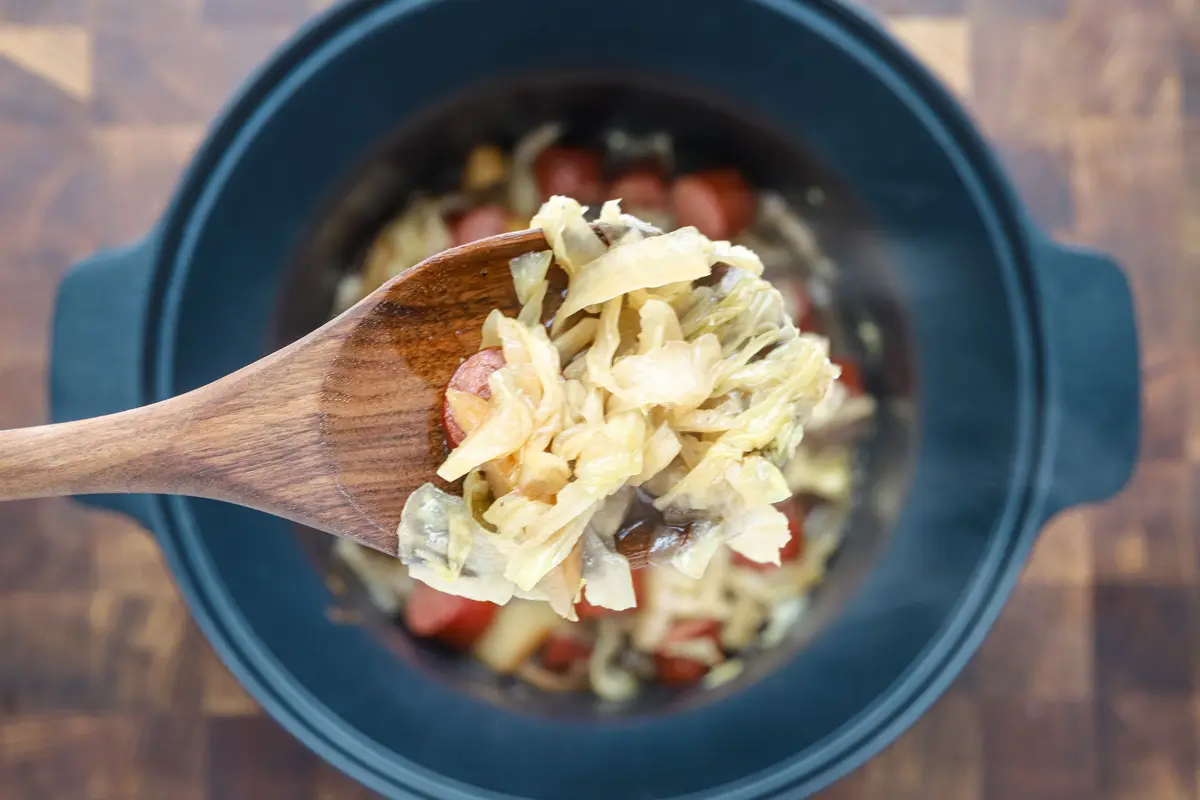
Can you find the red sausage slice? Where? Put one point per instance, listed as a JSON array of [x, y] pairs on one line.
[[560, 653], [851, 377], [642, 189], [455, 620], [675, 671], [569, 171], [678, 671], [470, 377], [480, 223], [719, 203]]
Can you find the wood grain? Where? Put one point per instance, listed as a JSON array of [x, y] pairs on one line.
[[1081, 691], [334, 431]]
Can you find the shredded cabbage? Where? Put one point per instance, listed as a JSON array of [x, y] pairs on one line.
[[528, 271], [660, 325], [569, 235], [697, 394], [610, 580], [681, 255], [675, 374], [660, 450], [509, 422], [432, 527]]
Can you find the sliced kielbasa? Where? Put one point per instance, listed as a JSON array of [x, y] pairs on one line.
[[678, 670], [569, 171], [719, 203], [851, 377], [640, 189], [470, 377], [561, 653], [480, 223], [457, 621]]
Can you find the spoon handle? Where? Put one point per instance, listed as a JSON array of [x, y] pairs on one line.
[[247, 438], [254, 438], [210, 443], [119, 453]]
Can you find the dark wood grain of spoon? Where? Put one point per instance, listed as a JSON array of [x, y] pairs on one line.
[[334, 431]]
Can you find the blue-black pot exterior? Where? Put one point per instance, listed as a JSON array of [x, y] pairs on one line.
[[1024, 371]]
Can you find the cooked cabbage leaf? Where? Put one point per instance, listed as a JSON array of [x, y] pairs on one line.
[[697, 394]]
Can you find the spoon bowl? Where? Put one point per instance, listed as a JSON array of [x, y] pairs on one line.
[[334, 431]]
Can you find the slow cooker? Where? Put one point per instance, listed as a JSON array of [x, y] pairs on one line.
[[1007, 373]]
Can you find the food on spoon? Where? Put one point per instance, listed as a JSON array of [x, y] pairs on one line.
[[674, 359], [468, 392], [610, 652], [794, 511]]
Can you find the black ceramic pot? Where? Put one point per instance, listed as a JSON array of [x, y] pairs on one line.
[[1008, 370]]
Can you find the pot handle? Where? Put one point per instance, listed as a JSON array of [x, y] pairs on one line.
[[1093, 378], [98, 346]]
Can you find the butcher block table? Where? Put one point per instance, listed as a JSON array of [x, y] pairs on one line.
[[1089, 686]]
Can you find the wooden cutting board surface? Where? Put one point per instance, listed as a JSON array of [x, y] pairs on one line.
[[1088, 688]]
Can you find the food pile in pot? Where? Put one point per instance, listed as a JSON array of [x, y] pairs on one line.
[[649, 465]]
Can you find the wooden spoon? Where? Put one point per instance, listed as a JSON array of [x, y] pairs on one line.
[[334, 431]]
